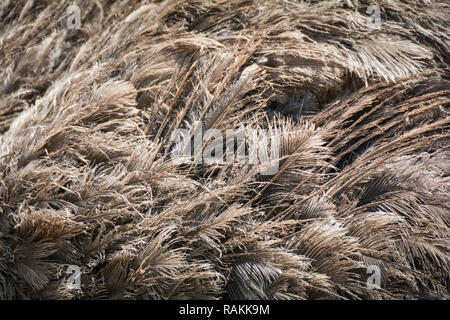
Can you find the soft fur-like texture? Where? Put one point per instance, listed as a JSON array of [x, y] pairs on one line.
[[87, 177]]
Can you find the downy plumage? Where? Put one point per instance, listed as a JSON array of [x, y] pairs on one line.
[[87, 118]]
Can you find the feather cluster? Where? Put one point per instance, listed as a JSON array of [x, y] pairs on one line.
[[88, 116]]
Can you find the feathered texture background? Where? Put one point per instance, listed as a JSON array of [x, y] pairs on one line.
[[86, 176]]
